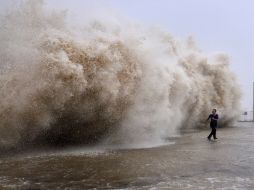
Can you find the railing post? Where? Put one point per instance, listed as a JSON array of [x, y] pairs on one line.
[[253, 103]]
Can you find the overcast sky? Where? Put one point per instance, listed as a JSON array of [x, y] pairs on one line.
[[217, 26]]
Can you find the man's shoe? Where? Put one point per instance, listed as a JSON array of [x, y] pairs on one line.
[[208, 138], [215, 138]]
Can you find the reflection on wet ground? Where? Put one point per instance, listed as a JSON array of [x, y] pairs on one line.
[[191, 163]]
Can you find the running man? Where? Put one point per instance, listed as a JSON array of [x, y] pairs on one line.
[[213, 124]]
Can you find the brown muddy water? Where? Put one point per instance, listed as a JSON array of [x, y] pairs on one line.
[[191, 162]]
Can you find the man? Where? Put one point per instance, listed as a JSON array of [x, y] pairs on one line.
[[213, 124]]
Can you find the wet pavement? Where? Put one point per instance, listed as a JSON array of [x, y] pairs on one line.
[[192, 162]]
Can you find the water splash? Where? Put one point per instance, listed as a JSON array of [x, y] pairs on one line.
[[119, 81]]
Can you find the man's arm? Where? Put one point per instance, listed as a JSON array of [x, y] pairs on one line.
[[215, 117], [208, 117]]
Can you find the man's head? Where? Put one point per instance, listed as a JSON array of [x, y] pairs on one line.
[[214, 111]]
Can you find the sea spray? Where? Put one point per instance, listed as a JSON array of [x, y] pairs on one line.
[[116, 81]]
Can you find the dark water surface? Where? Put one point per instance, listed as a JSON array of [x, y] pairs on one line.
[[191, 163]]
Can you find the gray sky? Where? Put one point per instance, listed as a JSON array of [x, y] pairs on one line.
[[217, 26]]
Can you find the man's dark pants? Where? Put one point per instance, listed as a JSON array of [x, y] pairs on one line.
[[213, 133]]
